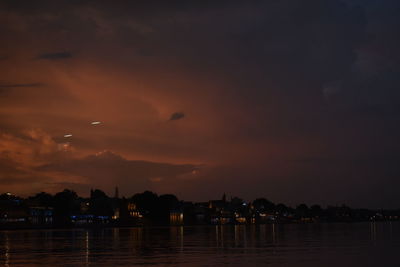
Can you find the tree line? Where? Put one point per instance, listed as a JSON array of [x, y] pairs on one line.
[[150, 208]]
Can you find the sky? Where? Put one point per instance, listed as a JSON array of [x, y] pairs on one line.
[[294, 101]]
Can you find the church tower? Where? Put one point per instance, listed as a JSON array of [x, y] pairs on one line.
[[116, 195]]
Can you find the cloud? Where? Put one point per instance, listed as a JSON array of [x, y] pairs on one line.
[[16, 85], [106, 170], [55, 55], [264, 85], [177, 116], [33, 161], [29, 148], [8, 87], [331, 89], [21, 154]]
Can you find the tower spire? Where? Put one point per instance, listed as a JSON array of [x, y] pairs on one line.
[[116, 192]]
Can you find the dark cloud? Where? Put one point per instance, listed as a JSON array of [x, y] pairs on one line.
[[55, 55], [177, 116]]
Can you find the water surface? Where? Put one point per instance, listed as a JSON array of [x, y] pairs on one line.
[[336, 244]]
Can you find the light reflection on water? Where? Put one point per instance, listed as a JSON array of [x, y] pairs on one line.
[[354, 244]]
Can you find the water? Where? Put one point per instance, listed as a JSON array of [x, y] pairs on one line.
[[353, 244]]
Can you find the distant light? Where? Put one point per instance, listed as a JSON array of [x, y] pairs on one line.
[[67, 135], [95, 122], [8, 194]]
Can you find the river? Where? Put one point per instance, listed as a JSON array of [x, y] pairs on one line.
[[328, 244]]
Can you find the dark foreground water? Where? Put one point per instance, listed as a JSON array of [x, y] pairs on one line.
[[353, 244]]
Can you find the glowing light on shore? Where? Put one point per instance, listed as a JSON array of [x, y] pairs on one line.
[[67, 135], [95, 122]]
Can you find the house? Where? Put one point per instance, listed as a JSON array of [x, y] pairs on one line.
[[176, 217], [40, 215]]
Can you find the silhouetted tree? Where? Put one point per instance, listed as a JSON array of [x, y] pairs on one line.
[[316, 211], [282, 209], [97, 193], [149, 205], [100, 204], [66, 203], [8, 196], [42, 199], [263, 205], [302, 211]]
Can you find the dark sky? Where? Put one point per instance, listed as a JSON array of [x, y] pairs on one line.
[[296, 101]]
